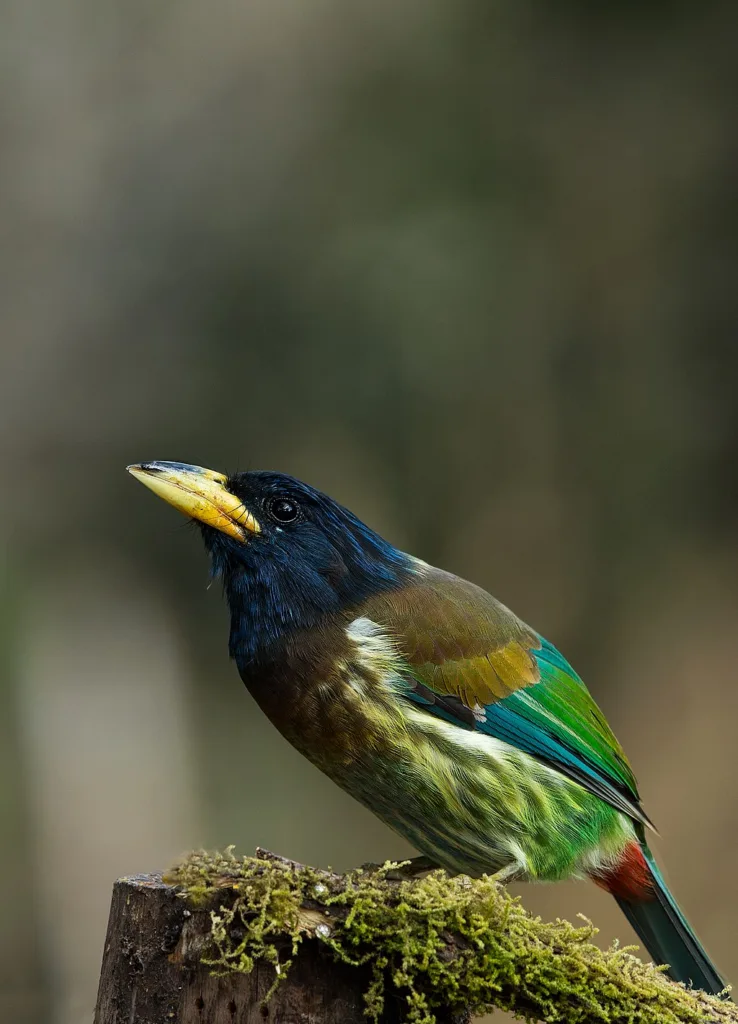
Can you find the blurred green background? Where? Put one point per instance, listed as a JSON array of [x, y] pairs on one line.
[[471, 268]]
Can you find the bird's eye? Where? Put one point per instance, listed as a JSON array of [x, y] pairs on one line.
[[283, 510]]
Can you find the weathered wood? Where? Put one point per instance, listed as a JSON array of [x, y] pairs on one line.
[[152, 972]]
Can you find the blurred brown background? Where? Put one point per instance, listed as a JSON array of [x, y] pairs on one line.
[[470, 267]]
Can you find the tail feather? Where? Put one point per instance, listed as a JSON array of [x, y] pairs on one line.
[[661, 926]]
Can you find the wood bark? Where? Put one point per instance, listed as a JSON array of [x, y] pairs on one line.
[[152, 972]]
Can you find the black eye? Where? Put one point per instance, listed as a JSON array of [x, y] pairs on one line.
[[283, 510]]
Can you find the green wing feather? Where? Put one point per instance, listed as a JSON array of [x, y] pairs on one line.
[[471, 661]]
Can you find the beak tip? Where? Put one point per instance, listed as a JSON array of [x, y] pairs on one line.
[[139, 468]]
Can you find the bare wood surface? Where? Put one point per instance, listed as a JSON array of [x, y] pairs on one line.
[[152, 972]]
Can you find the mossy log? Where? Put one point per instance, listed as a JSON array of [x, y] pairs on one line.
[[227, 940], [153, 973]]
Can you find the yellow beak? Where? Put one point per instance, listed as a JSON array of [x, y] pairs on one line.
[[199, 493]]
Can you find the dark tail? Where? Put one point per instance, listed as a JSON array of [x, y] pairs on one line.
[[662, 927]]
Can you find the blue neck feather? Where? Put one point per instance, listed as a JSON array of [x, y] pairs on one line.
[[285, 582]]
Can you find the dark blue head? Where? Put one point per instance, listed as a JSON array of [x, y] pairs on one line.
[[288, 555]]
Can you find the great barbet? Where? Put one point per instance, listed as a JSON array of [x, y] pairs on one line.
[[427, 700]]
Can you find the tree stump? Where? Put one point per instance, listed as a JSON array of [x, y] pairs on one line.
[[152, 972], [210, 950]]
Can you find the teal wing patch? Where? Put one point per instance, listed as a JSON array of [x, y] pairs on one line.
[[555, 720], [470, 661]]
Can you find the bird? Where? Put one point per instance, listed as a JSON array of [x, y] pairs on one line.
[[427, 700]]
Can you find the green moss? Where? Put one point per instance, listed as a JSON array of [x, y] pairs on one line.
[[441, 941]]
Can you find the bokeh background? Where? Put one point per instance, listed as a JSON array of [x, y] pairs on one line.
[[471, 268]]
